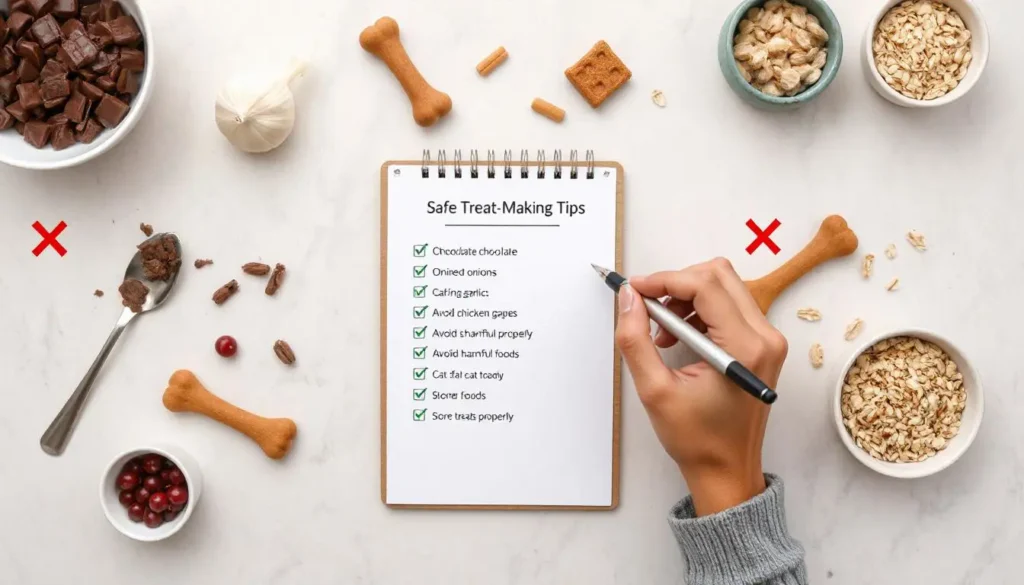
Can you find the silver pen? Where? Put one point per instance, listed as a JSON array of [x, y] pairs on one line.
[[719, 359]]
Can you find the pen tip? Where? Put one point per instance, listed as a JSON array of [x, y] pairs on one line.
[[602, 271]]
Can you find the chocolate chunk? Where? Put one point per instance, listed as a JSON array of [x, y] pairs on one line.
[[20, 127], [109, 10], [127, 83], [37, 133], [115, 70], [106, 83], [58, 119], [18, 22], [71, 26], [90, 14], [111, 111], [20, 6], [88, 74], [4, 31], [6, 120], [54, 103], [78, 51], [53, 69], [100, 33], [39, 113], [19, 112], [132, 59], [65, 8], [91, 131], [75, 108], [125, 31], [40, 7], [55, 88], [90, 91], [63, 137], [46, 31], [8, 91], [8, 59], [52, 50], [27, 72], [104, 61], [160, 258], [133, 294], [29, 95], [30, 51]]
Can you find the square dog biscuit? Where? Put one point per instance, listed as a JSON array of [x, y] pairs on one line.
[[598, 74]]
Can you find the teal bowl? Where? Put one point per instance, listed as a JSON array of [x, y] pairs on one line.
[[751, 94]]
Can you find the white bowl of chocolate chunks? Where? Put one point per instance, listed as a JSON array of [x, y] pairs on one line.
[[75, 77]]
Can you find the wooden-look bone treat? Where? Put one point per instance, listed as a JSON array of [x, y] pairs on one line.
[[185, 393], [382, 40], [833, 240]]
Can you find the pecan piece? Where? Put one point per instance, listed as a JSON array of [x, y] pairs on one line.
[[199, 263], [224, 293], [146, 229], [284, 352], [276, 278], [256, 268]]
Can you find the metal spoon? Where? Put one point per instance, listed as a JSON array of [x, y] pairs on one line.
[[56, 437]]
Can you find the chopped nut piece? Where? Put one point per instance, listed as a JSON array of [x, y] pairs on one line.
[[97, 293], [146, 229], [256, 268], [225, 292], [284, 352], [276, 278], [199, 263]]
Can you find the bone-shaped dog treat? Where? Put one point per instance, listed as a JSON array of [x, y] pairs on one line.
[[834, 239], [382, 40], [185, 393]]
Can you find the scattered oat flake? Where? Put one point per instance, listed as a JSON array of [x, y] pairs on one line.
[[808, 314], [97, 293], [916, 240], [853, 329], [866, 265], [658, 97], [893, 285], [146, 229], [817, 355], [890, 251], [200, 262]]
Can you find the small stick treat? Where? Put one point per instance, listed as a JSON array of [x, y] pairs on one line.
[[598, 74], [491, 62], [548, 110]]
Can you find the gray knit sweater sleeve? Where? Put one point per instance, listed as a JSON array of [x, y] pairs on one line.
[[745, 545]]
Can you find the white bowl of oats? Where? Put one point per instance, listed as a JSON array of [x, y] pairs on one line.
[[908, 404], [924, 53]]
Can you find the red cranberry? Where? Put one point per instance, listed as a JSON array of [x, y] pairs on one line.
[[226, 346], [170, 515], [165, 476], [133, 465], [136, 512], [126, 497], [142, 495], [153, 519], [153, 483], [127, 480], [176, 507], [158, 502], [176, 477], [152, 463], [178, 494]]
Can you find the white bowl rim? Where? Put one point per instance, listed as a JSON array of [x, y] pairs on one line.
[[959, 91], [105, 485], [930, 466], [122, 130]]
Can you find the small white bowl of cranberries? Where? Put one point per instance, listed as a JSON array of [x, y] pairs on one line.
[[148, 494]]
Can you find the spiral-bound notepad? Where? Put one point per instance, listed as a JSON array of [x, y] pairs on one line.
[[499, 374]]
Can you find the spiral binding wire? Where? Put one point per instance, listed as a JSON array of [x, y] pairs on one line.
[[524, 159]]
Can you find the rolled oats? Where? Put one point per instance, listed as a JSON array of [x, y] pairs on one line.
[[893, 285], [867, 265], [922, 49], [916, 240], [658, 97], [853, 329], [903, 400], [809, 314], [817, 355], [780, 48], [890, 251]]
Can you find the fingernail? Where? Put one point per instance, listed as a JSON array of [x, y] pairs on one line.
[[625, 299]]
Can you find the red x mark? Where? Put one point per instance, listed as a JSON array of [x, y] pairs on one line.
[[762, 236], [49, 238]]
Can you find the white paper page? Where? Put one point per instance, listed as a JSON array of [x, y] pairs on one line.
[[542, 433]]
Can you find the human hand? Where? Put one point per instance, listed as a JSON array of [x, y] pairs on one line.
[[712, 429]]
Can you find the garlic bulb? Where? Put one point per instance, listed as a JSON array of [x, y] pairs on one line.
[[256, 111]]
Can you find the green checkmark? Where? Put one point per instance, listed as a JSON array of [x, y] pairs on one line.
[[419, 251], [419, 394], [419, 373], [419, 332], [419, 292], [419, 271], [420, 312], [419, 415], [419, 353]]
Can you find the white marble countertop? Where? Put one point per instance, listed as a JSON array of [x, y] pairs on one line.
[[696, 171]]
